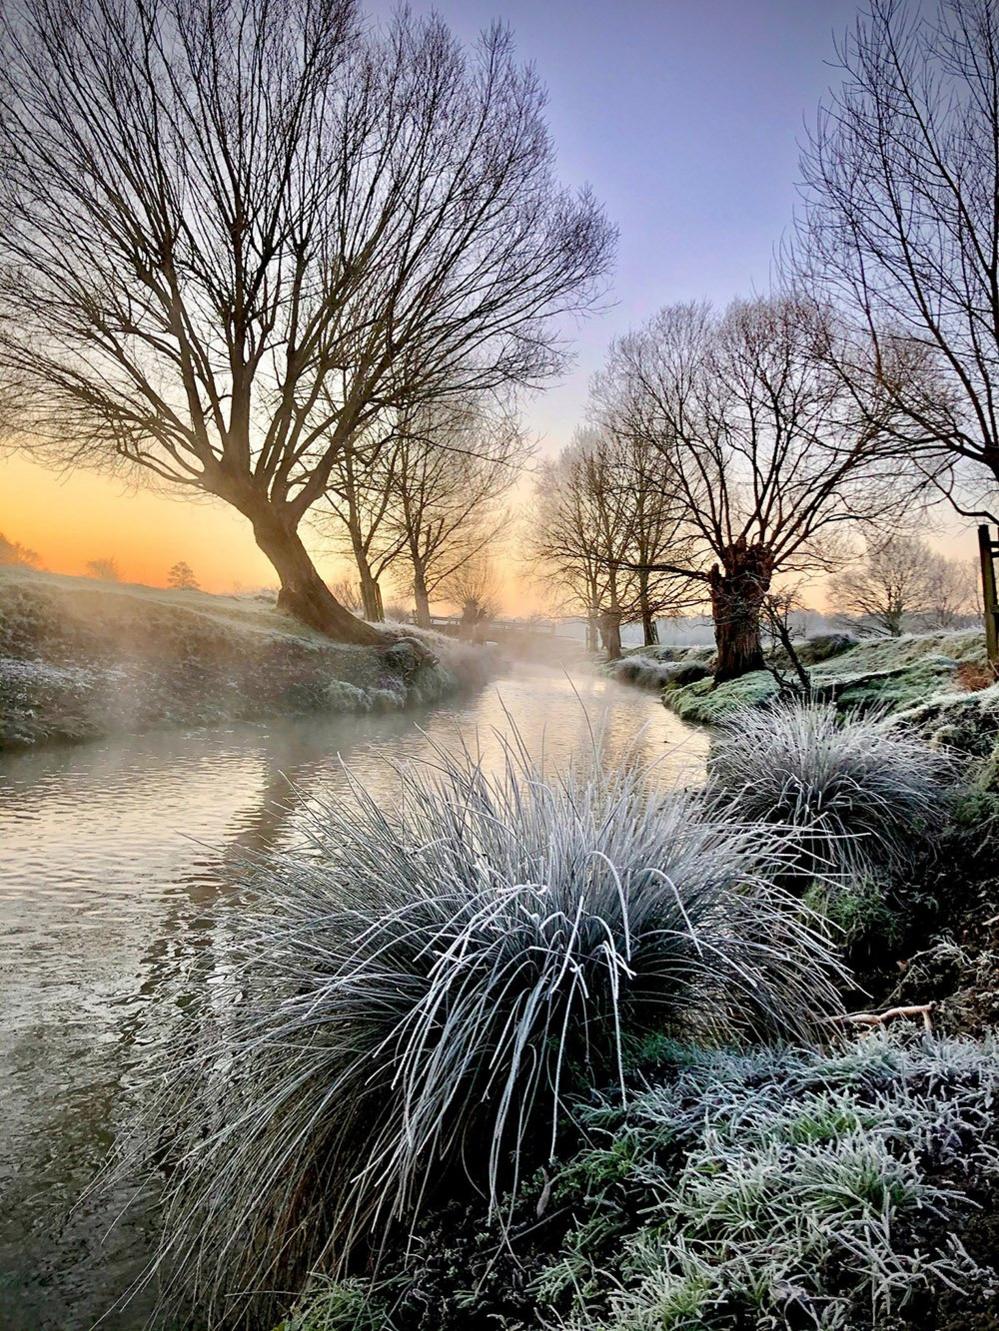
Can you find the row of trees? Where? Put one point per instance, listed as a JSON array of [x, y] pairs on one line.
[[262, 250], [868, 384], [755, 454], [423, 505], [606, 519]]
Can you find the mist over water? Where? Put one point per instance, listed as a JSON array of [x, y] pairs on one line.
[[112, 854]]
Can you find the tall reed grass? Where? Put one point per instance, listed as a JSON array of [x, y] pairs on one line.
[[415, 998]]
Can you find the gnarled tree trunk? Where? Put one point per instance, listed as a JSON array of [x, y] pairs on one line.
[[738, 588], [303, 592]]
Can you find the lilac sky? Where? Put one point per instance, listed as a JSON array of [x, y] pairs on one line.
[[683, 115]]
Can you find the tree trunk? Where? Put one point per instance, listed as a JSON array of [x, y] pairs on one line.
[[610, 628], [738, 590], [303, 592], [422, 599], [371, 593], [592, 635], [371, 597], [650, 630]]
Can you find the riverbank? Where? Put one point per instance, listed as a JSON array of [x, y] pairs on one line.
[[725, 1182], [943, 671], [82, 659]]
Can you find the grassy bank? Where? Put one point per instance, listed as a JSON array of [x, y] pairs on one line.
[[80, 659], [890, 674]]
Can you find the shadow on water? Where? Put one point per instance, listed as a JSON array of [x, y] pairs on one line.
[[112, 856]]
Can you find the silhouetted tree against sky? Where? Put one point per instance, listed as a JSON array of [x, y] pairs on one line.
[[181, 577], [902, 582], [605, 516], [360, 496], [14, 554], [454, 463], [105, 569], [235, 234], [764, 444], [901, 229]]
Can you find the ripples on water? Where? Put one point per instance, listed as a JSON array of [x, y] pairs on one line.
[[110, 855]]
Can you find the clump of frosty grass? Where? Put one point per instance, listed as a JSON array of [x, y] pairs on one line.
[[415, 1002], [785, 1189], [863, 794]]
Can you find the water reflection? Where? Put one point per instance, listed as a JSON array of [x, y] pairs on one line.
[[110, 856]]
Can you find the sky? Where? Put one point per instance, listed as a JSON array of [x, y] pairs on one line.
[[682, 115]]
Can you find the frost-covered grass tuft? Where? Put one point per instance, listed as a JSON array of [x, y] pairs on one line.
[[418, 998], [864, 794], [783, 1190]]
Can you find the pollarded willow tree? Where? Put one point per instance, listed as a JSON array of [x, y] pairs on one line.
[[900, 225], [763, 442], [236, 233]]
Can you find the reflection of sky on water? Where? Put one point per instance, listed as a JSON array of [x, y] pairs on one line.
[[110, 854]]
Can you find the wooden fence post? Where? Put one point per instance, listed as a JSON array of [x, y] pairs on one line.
[[988, 548]]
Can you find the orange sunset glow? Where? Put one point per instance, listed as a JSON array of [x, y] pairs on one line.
[[73, 518]]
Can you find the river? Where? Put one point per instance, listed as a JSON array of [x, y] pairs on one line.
[[111, 855]]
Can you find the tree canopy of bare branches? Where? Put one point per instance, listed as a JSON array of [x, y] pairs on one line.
[[763, 444], [902, 583], [236, 234], [360, 494], [900, 225], [605, 517], [453, 465]]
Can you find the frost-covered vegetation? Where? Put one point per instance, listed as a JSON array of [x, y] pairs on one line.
[[421, 995], [81, 658], [864, 796], [731, 1192], [893, 674], [523, 1054]]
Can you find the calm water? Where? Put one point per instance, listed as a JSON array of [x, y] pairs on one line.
[[110, 856]]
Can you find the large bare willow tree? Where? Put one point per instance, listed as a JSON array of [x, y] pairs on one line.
[[238, 231], [766, 447], [901, 224]]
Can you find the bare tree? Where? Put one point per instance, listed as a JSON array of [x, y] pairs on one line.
[[237, 233], [360, 494], [954, 594], [15, 555], [605, 515], [348, 593], [763, 443], [474, 587], [181, 577], [781, 606], [105, 569], [900, 224], [453, 466], [899, 581], [565, 538]]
